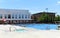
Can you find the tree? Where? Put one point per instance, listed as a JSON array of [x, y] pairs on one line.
[[57, 18], [44, 18]]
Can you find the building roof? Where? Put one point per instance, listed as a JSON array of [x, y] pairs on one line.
[[44, 12], [14, 11]]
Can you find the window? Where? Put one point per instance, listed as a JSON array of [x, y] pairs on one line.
[[25, 16], [0, 15], [16, 16], [22, 16], [19, 16], [5, 15], [12, 16], [9, 16]]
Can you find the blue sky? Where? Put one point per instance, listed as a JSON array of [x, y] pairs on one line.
[[34, 6]]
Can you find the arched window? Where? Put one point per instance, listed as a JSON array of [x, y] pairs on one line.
[[19, 16], [16, 16], [0, 15], [5, 16], [9, 16], [25, 16], [12, 16], [22, 16]]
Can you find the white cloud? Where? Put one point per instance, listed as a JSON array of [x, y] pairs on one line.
[[58, 3]]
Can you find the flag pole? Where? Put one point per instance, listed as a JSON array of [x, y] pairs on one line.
[[46, 9]]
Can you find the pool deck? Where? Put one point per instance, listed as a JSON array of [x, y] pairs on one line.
[[29, 33], [32, 34]]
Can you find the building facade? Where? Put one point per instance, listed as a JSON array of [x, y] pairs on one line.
[[38, 15], [14, 16]]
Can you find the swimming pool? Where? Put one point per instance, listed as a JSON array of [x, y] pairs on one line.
[[18, 28], [41, 26]]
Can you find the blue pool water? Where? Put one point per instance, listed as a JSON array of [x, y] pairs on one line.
[[41, 26]]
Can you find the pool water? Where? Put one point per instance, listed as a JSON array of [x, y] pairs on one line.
[[41, 26]]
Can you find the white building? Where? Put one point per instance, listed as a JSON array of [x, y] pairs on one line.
[[10, 15]]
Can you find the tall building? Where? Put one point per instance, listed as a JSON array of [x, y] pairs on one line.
[[14, 16]]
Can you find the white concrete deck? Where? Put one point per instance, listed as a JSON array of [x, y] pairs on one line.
[[30, 34]]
